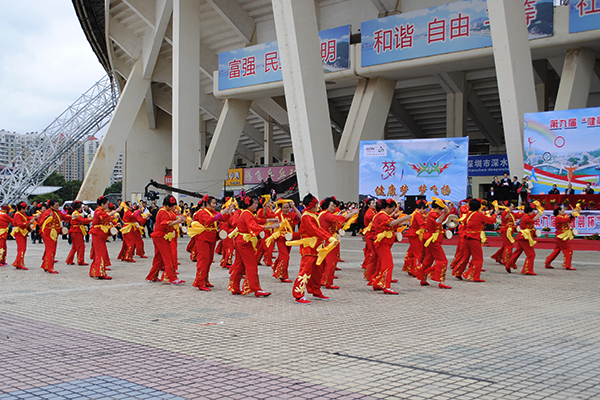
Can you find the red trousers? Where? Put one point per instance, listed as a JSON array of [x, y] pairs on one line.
[[245, 253], [264, 252], [283, 260], [368, 252], [372, 267], [174, 253], [383, 279], [49, 251], [128, 246], [77, 247], [435, 263], [163, 260], [227, 249], [413, 256], [205, 251], [565, 247], [503, 254], [523, 246], [3, 249], [100, 257], [330, 262], [309, 277], [455, 265], [191, 248], [21, 248], [472, 249], [138, 243]]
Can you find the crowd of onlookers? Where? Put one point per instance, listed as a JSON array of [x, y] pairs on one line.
[[507, 189]]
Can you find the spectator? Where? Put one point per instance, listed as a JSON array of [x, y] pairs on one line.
[[505, 185], [569, 189], [495, 185], [514, 190], [588, 189], [523, 191], [554, 190]]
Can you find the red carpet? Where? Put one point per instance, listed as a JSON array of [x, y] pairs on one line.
[[542, 243]]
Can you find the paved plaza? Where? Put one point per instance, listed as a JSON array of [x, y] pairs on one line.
[[69, 336]]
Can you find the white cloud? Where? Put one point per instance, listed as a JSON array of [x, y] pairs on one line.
[[46, 63]]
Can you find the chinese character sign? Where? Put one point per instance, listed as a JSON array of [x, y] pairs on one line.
[[562, 147], [260, 64], [445, 29], [235, 177], [488, 165], [584, 15], [587, 223], [254, 176], [431, 167]]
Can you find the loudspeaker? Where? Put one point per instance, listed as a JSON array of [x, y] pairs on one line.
[[411, 202]]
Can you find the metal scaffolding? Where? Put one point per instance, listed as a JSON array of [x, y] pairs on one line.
[[49, 149]]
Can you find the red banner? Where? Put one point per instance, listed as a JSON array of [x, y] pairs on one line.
[[550, 201]]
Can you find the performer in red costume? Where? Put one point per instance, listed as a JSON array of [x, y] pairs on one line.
[[288, 216], [369, 249], [332, 222], [458, 253], [77, 232], [245, 249], [129, 229], [311, 268], [508, 225], [22, 226], [164, 232], [561, 241], [137, 234], [383, 228], [5, 221], [50, 229], [101, 224], [474, 222], [204, 229], [262, 250], [414, 254], [435, 263], [225, 225], [525, 241], [191, 246]]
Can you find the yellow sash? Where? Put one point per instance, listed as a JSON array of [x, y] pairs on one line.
[[3, 231], [350, 221], [284, 227], [509, 235], [15, 230], [566, 235], [384, 234], [234, 233], [105, 228], [54, 234], [323, 251], [170, 236], [433, 238], [526, 233], [197, 228], [128, 227], [83, 231], [308, 242], [250, 238]]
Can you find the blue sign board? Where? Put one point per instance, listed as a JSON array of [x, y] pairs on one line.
[[260, 64], [445, 29], [488, 165], [584, 15]]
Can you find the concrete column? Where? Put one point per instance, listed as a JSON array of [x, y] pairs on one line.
[[514, 71], [268, 144], [186, 94], [141, 160], [575, 79], [367, 116], [223, 146], [306, 96], [202, 140], [113, 142]]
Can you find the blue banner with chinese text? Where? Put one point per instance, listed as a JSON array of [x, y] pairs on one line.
[[584, 15], [488, 165]]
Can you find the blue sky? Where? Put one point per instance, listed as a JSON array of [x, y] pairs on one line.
[[46, 63]]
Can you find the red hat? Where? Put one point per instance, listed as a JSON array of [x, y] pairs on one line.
[[312, 203], [6, 207]]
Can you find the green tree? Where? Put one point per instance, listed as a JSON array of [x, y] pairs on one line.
[[55, 179], [43, 197], [116, 187]]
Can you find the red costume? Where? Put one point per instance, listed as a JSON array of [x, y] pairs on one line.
[[456, 263], [508, 225], [101, 224], [263, 251], [384, 240], [50, 229], [433, 237], [246, 243], [137, 234], [227, 247], [414, 254], [310, 274], [369, 249], [282, 262], [561, 242], [205, 235], [475, 221], [331, 223], [162, 236], [5, 221], [20, 232], [525, 244], [77, 232], [129, 229]]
